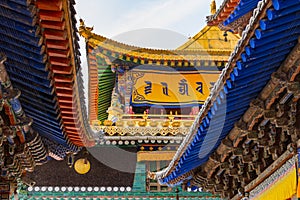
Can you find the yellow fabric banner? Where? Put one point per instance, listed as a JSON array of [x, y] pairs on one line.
[[284, 188], [171, 88]]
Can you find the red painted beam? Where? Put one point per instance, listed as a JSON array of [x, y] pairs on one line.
[[54, 44], [55, 5], [64, 93], [67, 117], [66, 105], [71, 112], [63, 78], [71, 123], [75, 140], [62, 70], [65, 62], [55, 34], [56, 16], [59, 53], [64, 86], [73, 127], [54, 25], [73, 135]]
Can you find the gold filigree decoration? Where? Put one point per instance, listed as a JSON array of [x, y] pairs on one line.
[[135, 76], [145, 131], [136, 96]]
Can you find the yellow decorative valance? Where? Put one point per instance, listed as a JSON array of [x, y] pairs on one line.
[[171, 88]]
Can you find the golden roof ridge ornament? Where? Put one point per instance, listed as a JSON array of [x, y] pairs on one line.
[[204, 45], [213, 7], [85, 31]]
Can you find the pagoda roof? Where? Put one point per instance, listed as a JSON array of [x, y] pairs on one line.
[[203, 46], [201, 51], [240, 10], [211, 38], [233, 15], [40, 43], [18, 141], [223, 12], [240, 105]]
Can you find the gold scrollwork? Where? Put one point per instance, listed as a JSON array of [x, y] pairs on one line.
[[145, 131]]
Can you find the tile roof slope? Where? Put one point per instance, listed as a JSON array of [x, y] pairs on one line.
[[211, 38], [223, 12], [118, 50], [231, 95], [21, 148], [41, 44], [59, 28], [240, 10], [23, 45]]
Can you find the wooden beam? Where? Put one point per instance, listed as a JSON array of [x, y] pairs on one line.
[[55, 5], [271, 169], [56, 16]]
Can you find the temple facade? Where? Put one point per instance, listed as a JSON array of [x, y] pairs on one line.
[[46, 128], [148, 98], [215, 118]]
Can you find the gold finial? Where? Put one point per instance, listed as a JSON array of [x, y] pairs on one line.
[[84, 30], [171, 117], [213, 7], [81, 22], [145, 116]]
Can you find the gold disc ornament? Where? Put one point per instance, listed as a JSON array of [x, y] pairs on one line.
[[82, 166]]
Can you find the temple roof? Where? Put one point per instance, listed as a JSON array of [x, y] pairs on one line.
[[242, 9], [200, 52], [41, 46], [211, 38], [243, 103], [207, 40], [233, 15], [223, 12], [18, 141]]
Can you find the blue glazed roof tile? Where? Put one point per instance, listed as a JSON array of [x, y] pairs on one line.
[[243, 8], [26, 64], [262, 56]]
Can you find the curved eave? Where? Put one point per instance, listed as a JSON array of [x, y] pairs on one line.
[[14, 121], [118, 50], [101, 84], [222, 13], [57, 25], [42, 62], [236, 81], [243, 8], [22, 43], [93, 85]]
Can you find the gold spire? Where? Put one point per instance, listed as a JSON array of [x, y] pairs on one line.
[[213, 7]]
